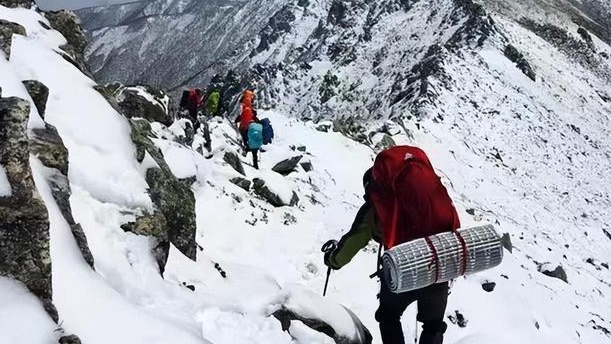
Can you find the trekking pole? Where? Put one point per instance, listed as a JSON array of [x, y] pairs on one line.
[[327, 248]]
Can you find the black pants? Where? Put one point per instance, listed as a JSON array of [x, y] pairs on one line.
[[255, 152], [432, 303]]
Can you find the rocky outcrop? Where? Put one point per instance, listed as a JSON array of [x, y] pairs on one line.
[[7, 30], [48, 146], [241, 183], [144, 102], [17, 3], [287, 166], [39, 94], [24, 221], [517, 57], [138, 102], [174, 201], [233, 160], [69, 25], [262, 190]]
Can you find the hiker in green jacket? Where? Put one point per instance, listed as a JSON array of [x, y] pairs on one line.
[[210, 110]]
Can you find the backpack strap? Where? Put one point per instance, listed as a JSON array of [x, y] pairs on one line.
[[435, 258], [465, 251]]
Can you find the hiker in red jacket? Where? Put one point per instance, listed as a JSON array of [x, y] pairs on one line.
[[404, 200], [191, 101]]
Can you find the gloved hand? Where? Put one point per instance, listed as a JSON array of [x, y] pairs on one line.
[[329, 249]]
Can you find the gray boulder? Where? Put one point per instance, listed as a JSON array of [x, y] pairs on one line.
[[261, 190], [506, 242], [287, 166], [24, 221], [234, 161], [39, 93], [7, 30], [172, 198]]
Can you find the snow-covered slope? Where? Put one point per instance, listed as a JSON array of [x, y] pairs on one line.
[[530, 156]]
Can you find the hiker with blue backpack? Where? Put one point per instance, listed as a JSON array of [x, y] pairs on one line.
[[254, 132]]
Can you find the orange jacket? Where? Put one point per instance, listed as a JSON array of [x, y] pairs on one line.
[[247, 98]]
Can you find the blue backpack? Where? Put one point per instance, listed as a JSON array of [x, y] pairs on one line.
[[255, 136], [268, 131]]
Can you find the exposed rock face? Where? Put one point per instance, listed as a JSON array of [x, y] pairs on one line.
[[138, 102], [287, 166], [174, 201], [39, 93], [24, 221], [17, 3], [7, 30], [48, 146], [517, 57], [242, 183], [234, 161], [263, 191], [134, 103], [69, 25]]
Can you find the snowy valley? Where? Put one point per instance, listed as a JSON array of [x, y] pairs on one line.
[[115, 228]]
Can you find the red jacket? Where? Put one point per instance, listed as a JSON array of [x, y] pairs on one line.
[[246, 117]]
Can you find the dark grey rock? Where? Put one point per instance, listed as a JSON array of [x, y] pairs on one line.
[[234, 161], [71, 339], [134, 105], [69, 25], [558, 273], [242, 183], [517, 57], [506, 242], [489, 286], [286, 315], [154, 226], [264, 192], [458, 319], [287, 166], [17, 3], [7, 30], [172, 198], [307, 166], [24, 221], [39, 93], [48, 146]]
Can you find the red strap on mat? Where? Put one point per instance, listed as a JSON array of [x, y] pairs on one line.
[[465, 252], [435, 257]]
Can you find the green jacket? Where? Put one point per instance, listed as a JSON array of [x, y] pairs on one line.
[[212, 103], [364, 228]]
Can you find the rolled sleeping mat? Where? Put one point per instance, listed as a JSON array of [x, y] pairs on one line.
[[440, 258]]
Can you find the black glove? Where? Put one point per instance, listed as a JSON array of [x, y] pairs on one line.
[[329, 249]]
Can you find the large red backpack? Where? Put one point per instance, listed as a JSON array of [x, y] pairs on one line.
[[409, 198]]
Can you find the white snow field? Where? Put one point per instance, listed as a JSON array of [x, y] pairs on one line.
[[511, 159]]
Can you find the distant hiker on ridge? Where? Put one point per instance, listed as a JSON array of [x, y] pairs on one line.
[[210, 110], [404, 201], [250, 128]]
